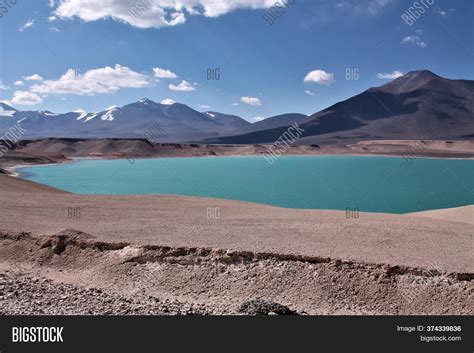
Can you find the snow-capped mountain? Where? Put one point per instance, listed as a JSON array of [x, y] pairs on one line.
[[178, 122], [419, 105]]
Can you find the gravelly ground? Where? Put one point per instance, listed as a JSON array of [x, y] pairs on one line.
[[71, 273]]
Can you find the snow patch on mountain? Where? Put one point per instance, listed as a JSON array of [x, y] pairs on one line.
[[82, 114], [109, 115], [91, 117], [6, 113]]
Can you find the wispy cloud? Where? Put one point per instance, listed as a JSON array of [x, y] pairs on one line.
[[29, 24], [444, 13], [184, 86], [375, 6], [415, 40], [168, 101], [390, 76], [251, 101], [163, 73], [34, 77], [320, 77]]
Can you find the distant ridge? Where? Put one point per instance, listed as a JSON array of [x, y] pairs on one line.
[[417, 105]]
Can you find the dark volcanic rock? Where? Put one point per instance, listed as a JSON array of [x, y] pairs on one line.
[[263, 307]]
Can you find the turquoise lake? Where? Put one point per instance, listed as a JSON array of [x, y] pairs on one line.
[[374, 184]]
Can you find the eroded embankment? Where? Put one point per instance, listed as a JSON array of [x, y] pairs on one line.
[[161, 279]]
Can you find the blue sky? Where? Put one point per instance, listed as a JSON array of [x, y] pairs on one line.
[[73, 54]]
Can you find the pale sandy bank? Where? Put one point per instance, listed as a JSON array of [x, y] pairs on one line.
[[457, 214]]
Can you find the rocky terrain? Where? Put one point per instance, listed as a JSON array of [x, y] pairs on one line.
[[73, 273]]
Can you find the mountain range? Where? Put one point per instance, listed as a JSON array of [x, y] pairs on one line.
[[417, 105]]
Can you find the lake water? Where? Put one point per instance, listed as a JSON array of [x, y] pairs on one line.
[[375, 184]]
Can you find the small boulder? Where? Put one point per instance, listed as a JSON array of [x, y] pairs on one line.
[[263, 307]]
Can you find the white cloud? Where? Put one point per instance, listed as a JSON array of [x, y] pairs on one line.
[[376, 5], [309, 93], [251, 101], [168, 101], [152, 14], [54, 29], [163, 73], [320, 77], [184, 86], [235, 104], [414, 39], [204, 106], [258, 118], [29, 24], [18, 83], [444, 13], [103, 80], [25, 98], [34, 77], [391, 76], [2, 86]]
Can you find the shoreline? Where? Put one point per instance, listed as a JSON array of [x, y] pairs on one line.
[[391, 149], [368, 155], [422, 213], [57, 150]]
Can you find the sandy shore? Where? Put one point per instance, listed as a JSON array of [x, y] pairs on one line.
[[457, 214], [167, 247]]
